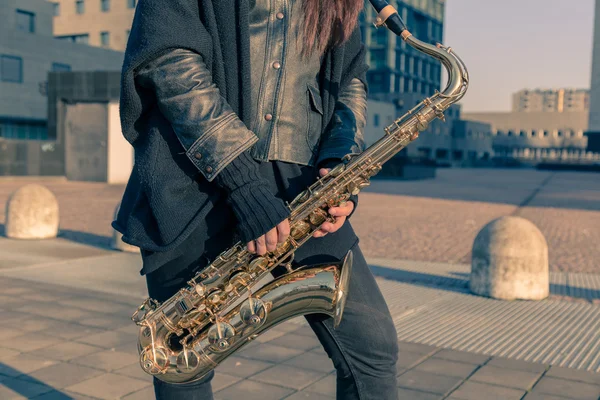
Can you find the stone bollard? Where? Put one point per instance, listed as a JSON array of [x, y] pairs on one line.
[[117, 240], [32, 213], [510, 261]]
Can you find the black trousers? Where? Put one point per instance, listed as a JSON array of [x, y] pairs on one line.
[[363, 348]]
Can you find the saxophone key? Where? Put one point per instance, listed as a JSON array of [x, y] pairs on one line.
[[220, 335]]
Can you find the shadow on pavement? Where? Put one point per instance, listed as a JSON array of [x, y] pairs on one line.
[[461, 282], [27, 386]]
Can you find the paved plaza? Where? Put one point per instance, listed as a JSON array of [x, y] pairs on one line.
[[65, 303]]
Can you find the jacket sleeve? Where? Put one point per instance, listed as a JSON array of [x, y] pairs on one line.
[[346, 131], [213, 137], [346, 134]]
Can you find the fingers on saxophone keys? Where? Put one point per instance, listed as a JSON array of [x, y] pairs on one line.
[[251, 247]]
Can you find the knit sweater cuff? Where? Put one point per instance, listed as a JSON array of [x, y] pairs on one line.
[[257, 210]]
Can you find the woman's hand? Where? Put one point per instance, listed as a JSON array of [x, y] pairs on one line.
[[269, 241], [340, 213]]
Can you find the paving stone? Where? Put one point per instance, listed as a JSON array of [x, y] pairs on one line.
[[566, 388], [106, 322], [66, 330], [110, 339], [574, 375], [23, 364], [516, 364], [428, 382], [106, 360], [268, 352], [8, 353], [221, 381], [242, 367], [478, 391], [446, 367], [67, 351], [31, 342], [108, 386], [64, 395], [63, 313], [101, 306], [312, 362], [129, 348], [408, 359], [462, 356], [269, 335], [288, 376], [295, 341], [407, 394], [506, 377], [417, 348], [144, 394], [310, 396], [61, 375], [131, 328], [538, 396], [19, 389], [7, 333], [134, 371], [291, 326], [305, 330], [250, 390], [324, 386], [41, 297], [36, 324]]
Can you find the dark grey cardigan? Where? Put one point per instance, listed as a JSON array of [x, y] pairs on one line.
[[162, 206]]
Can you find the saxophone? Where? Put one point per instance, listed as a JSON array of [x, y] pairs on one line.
[[236, 298]]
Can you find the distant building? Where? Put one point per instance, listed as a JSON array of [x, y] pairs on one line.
[[28, 51], [100, 23], [395, 67], [593, 133], [537, 135], [551, 100]]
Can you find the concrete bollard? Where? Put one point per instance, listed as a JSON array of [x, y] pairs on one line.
[[117, 240], [510, 261], [32, 213]]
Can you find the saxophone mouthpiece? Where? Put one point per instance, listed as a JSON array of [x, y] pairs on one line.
[[388, 15]]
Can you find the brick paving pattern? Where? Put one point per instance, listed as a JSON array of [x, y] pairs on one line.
[[432, 220], [59, 357]]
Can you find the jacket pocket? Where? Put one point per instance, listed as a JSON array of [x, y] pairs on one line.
[[314, 118]]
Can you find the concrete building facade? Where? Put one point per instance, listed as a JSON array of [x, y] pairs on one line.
[[101, 23], [551, 100], [538, 136], [395, 67], [593, 133], [28, 52]]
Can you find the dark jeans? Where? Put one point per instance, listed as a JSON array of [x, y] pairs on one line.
[[363, 348]]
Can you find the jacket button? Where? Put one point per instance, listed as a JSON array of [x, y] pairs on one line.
[[276, 65], [198, 156], [279, 15], [268, 117], [208, 169]]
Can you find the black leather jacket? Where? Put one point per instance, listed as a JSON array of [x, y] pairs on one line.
[[287, 111]]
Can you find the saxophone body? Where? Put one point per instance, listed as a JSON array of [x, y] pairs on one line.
[[236, 298]]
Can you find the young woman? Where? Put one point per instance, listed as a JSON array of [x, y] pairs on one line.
[[233, 108]]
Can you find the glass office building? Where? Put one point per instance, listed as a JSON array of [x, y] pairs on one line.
[[395, 67]]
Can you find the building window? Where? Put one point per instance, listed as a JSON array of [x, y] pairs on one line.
[[56, 9], [25, 21], [105, 5], [79, 6], [105, 38], [131, 3], [11, 69], [83, 38], [59, 67], [375, 119]]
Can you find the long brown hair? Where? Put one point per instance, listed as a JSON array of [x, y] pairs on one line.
[[328, 23]]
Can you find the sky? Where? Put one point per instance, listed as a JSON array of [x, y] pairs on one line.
[[509, 45]]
